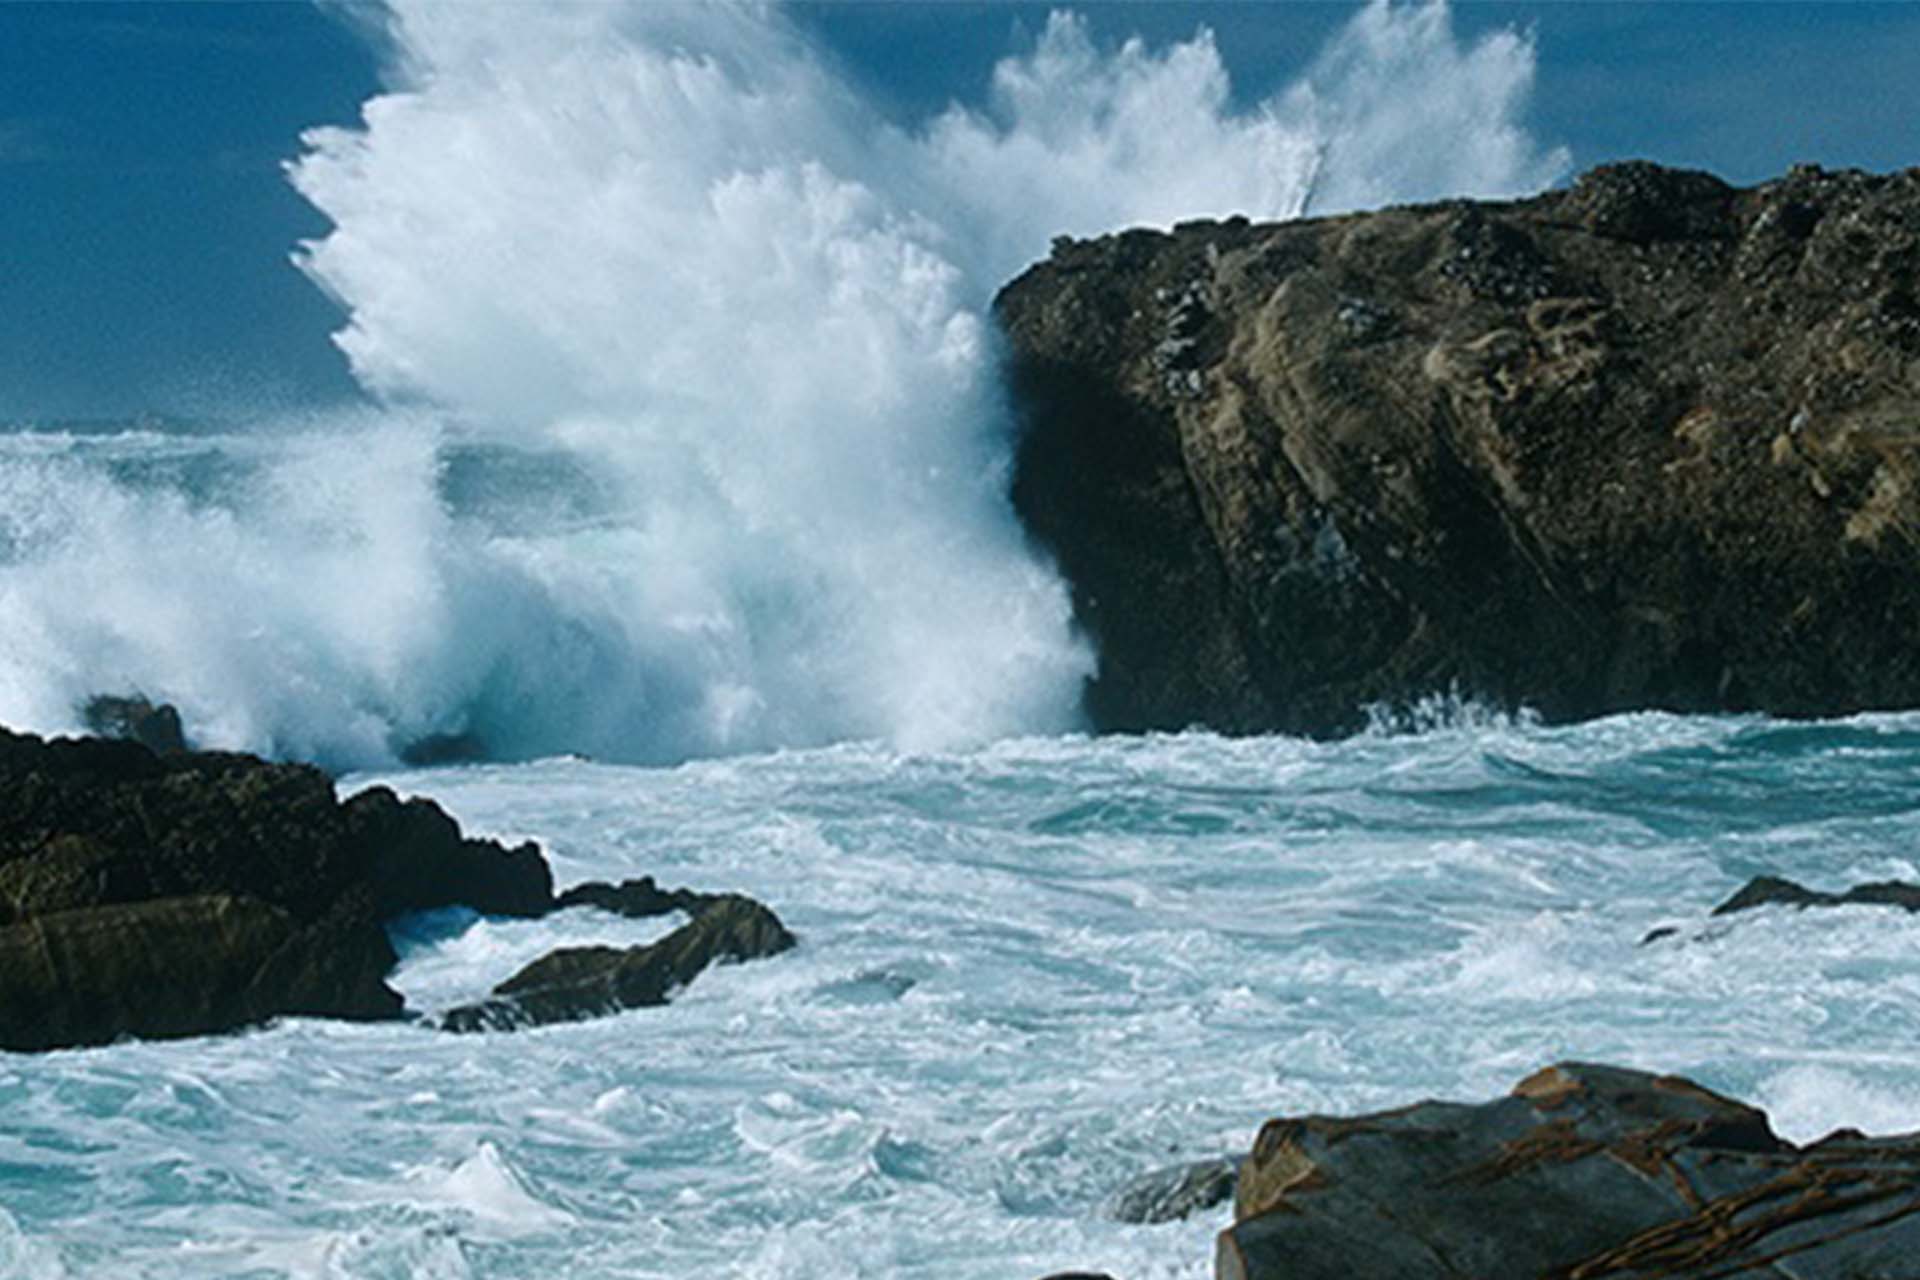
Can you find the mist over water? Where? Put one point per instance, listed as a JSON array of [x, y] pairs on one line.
[[687, 435]]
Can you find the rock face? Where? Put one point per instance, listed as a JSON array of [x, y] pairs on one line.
[[177, 967], [1651, 441], [1583, 1172], [588, 982], [191, 892], [194, 892], [1764, 891], [1167, 1195]]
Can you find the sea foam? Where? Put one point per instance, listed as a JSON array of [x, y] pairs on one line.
[[687, 435]]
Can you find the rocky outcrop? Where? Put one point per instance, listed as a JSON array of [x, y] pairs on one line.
[[181, 966], [589, 982], [1582, 1172], [192, 892], [1763, 891], [173, 895], [1650, 441], [635, 899], [1167, 1195]]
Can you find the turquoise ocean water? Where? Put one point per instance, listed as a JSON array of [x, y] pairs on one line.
[[1026, 972]]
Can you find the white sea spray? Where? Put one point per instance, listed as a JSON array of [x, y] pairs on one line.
[[689, 438]]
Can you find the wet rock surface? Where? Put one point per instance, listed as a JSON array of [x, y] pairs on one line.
[[144, 894], [1763, 891], [1583, 1171], [1167, 1195], [635, 899], [165, 895], [588, 982], [1650, 441]]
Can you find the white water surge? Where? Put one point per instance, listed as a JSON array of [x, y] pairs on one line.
[[1026, 973], [689, 438]]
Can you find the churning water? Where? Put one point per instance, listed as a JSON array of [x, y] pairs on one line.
[[690, 439], [689, 453], [1026, 972]]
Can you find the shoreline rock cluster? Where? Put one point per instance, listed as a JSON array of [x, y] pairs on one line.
[[1582, 1172], [186, 893], [1651, 441]]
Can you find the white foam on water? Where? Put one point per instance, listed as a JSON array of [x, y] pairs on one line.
[[1026, 973], [23, 1258], [690, 437], [485, 1187]]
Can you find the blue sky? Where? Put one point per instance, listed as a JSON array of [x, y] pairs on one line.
[[145, 224]]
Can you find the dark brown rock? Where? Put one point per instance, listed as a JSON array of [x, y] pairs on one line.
[[416, 859], [1762, 891], [1650, 441], [178, 967], [172, 895], [588, 982], [201, 891], [635, 899], [94, 822], [1584, 1171]]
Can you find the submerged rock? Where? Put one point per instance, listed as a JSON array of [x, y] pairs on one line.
[[1762, 891], [588, 982], [1650, 441], [1166, 1195], [1583, 1171]]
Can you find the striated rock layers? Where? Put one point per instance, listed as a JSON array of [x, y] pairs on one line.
[[1651, 441], [169, 895], [1583, 1172]]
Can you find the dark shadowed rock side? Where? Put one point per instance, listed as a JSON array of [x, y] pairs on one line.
[[192, 892], [1764, 891], [589, 982], [1179, 1191], [1584, 1172], [1647, 442]]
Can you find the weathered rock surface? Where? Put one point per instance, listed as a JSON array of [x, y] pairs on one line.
[[588, 982], [192, 892], [1764, 891], [1167, 1195], [1583, 1172], [1651, 441], [635, 899], [181, 966], [171, 895]]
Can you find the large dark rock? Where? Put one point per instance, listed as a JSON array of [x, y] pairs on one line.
[[1650, 441], [1583, 1172], [181, 966], [150, 895], [588, 982], [89, 822], [170, 895]]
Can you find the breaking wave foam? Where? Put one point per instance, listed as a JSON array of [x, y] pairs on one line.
[[690, 437]]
